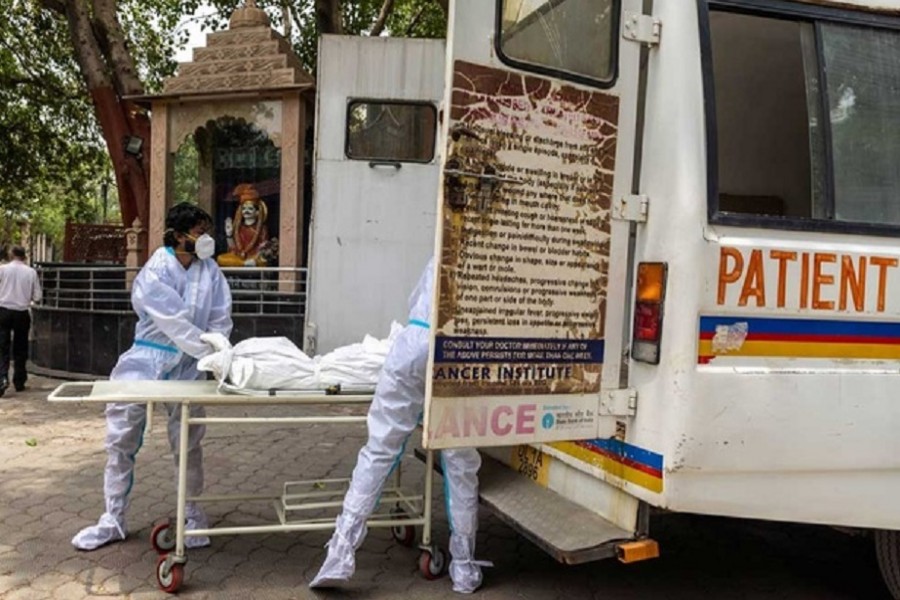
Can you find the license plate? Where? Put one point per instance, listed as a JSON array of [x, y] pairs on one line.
[[531, 463]]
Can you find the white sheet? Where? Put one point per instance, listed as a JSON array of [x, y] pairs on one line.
[[267, 363]]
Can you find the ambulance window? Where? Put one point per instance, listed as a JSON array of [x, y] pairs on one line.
[[806, 123], [391, 131], [863, 85], [767, 150], [572, 39]]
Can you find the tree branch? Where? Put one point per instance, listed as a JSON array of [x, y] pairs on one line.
[[328, 16], [378, 25], [56, 6], [286, 20], [296, 19], [25, 65], [121, 63], [414, 21], [46, 88], [87, 50]]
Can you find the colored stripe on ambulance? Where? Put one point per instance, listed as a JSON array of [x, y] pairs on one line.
[[804, 338], [625, 461]]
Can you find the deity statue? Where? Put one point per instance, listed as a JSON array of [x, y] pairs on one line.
[[247, 234]]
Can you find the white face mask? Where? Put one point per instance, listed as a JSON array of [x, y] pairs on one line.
[[205, 246]]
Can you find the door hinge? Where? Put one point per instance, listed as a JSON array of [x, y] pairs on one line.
[[631, 208], [643, 29], [618, 403]]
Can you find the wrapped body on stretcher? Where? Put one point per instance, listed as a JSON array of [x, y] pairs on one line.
[[256, 365], [275, 363]]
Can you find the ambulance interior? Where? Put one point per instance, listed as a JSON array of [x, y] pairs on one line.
[[773, 80]]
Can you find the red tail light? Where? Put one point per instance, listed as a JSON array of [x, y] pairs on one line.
[[646, 322], [648, 312]]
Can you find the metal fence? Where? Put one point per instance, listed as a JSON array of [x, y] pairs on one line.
[[103, 289], [85, 321]]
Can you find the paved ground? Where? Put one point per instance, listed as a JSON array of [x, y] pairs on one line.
[[51, 461]]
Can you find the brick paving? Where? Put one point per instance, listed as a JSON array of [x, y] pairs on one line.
[[51, 460]]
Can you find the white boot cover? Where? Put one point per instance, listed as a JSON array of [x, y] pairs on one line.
[[108, 529], [340, 562], [461, 493], [195, 518], [465, 571]]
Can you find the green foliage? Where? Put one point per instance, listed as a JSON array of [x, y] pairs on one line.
[[409, 18], [53, 155], [185, 170]]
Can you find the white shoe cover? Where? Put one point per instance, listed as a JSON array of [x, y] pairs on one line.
[[339, 565], [108, 529], [340, 562], [196, 519], [465, 571]]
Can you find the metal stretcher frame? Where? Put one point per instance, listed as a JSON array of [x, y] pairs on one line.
[[170, 568]]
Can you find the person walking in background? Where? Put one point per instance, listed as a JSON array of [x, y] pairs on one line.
[[19, 287]]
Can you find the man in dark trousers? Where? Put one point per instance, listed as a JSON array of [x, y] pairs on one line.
[[19, 287]]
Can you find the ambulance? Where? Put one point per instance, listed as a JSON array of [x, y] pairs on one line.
[[669, 266]]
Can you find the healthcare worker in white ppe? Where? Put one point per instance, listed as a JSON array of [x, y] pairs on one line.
[[393, 415], [183, 305]]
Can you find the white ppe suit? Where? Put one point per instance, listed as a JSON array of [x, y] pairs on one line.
[[395, 411], [175, 305]]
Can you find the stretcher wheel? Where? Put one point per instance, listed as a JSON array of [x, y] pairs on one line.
[[432, 563], [169, 577], [161, 539], [405, 535]]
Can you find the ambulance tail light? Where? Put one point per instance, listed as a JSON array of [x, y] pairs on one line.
[[648, 312]]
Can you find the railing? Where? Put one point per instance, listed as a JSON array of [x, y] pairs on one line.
[[103, 289]]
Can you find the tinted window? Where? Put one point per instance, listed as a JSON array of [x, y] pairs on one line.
[[391, 131], [572, 38]]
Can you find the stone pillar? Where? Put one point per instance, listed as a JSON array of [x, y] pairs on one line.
[[135, 246], [160, 181], [290, 231]]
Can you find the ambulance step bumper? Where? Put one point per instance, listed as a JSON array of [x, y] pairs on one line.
[[567, 531]]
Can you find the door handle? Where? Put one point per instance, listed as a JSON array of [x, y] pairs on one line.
[[375, 164]]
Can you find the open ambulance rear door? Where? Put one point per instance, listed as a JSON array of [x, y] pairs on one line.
[[376, 168], [539, 121]]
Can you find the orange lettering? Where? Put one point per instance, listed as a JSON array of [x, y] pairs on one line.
[[804, 280], [754, 282], [882, 263], [727, 275], [855, 283], [820, 279], [782, 257]]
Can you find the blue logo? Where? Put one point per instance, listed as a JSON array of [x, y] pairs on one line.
[[547, 421]]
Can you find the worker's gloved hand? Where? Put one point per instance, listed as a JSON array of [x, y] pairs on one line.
[[216, 341]]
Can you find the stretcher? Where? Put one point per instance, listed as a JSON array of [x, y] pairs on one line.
[[298, 498]]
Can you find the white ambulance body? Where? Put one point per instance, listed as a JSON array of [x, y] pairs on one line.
[[669, 264]]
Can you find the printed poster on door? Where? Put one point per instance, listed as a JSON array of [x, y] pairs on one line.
[[525, 235]]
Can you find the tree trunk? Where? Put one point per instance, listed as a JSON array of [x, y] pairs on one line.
[[109, 73], [328, 16]]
